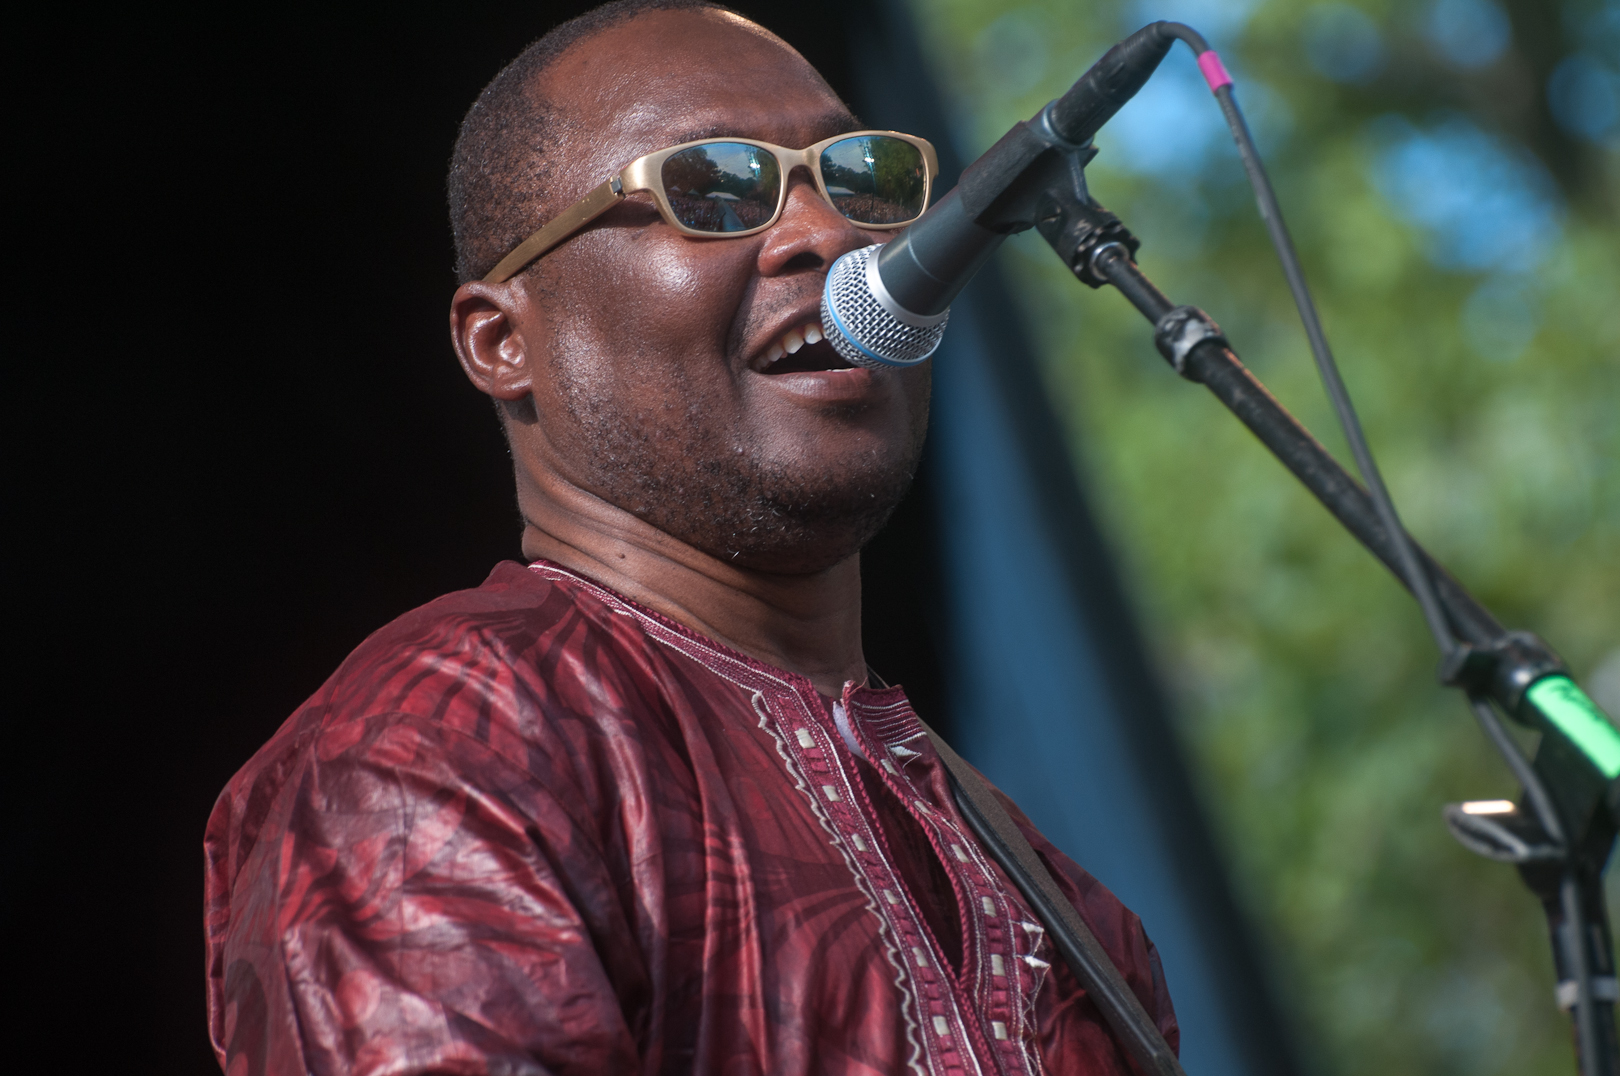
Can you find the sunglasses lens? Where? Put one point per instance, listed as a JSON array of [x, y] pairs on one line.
[[722, 186], [875, 179]]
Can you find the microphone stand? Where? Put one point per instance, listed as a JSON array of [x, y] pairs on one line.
[[1562, 832]]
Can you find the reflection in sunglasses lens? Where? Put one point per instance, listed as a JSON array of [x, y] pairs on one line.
[[875, 179], [722, 187]]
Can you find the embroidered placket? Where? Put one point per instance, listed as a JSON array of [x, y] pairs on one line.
[[1005, 970], [1002, 972]]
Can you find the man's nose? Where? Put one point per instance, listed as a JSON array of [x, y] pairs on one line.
[[811, 234]]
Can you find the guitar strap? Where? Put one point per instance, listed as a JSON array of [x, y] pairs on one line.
[[1085, 956]]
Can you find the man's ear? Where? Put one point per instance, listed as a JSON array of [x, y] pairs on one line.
[[492, 327]]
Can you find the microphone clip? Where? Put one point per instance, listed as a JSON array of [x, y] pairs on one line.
[[1076, 227]]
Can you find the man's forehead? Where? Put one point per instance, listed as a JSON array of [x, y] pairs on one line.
[[811, 128], [657, 81]]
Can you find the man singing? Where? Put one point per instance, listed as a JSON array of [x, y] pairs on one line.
[[640, 806]]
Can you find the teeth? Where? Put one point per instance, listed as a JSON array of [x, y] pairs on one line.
[[794, 339]]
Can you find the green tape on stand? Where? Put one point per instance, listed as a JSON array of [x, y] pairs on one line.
[[1578, 717]]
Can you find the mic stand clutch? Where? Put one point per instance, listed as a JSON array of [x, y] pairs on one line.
[[1561, 835]]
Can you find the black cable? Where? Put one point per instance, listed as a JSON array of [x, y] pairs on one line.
[[1574, 944], [1183, 32], [1586, 1028], [1541, 801], [1416, 577]]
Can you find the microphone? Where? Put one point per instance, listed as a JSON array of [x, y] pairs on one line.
[[887, 305]]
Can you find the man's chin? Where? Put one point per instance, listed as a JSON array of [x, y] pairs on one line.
[[793, 547], [800, 560], [792, 536]]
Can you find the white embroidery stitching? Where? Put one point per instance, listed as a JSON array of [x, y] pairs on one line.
[[741, 674]]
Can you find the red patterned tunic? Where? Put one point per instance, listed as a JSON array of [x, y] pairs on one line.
[[536, 828]]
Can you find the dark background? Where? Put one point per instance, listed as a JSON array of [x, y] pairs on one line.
[[241, 443]]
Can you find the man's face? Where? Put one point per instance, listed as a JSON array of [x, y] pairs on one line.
[[650, 351]]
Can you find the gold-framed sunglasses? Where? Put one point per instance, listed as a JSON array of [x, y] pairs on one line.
[[726, 188]]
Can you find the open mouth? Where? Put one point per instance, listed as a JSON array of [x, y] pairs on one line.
[[801, 349]]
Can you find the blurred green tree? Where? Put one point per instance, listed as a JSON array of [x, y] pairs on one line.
[[1451, 173]]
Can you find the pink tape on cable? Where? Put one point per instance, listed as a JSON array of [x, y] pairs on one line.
[[1214, 71]]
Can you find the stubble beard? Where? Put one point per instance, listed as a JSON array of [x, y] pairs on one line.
[[686, 480]]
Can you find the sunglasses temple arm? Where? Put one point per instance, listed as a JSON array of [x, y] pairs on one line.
[[571, 220]]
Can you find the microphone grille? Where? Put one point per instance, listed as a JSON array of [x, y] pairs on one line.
[[862, 328]]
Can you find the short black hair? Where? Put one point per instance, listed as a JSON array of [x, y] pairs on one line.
[[498, 169]]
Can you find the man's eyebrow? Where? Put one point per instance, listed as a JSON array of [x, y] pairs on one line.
[[831, 123]]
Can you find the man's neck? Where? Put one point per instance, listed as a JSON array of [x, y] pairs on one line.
[[808, 624]]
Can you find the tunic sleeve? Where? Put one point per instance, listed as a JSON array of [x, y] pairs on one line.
[[407, 901]]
